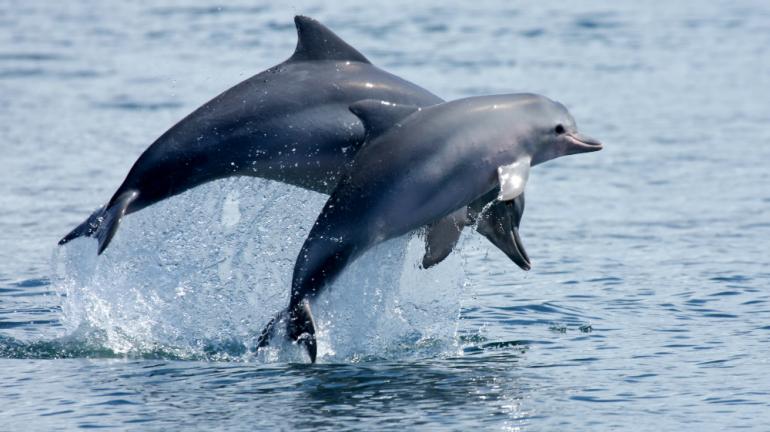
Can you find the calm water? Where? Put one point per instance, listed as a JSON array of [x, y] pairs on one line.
[[647, 307]]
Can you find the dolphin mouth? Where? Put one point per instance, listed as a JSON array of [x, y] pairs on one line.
[[584, 142]]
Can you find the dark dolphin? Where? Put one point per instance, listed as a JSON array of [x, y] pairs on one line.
[[434, 162], [290, 123]]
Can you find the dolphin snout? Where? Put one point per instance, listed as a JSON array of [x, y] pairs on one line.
[[584, 142]]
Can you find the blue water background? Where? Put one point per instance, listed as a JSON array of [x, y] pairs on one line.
[[647, 307]]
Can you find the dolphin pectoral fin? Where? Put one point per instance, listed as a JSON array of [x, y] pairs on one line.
[[301, 328], [442, 235], [499, 223], [379, 116], [513, 178]]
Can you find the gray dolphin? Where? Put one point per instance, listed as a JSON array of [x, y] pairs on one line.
[[431, 164], [290, 123]]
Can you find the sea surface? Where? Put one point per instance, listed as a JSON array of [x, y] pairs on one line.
[[647, 307]]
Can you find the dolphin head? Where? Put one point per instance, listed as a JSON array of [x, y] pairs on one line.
[[545, 130], [553, 132]]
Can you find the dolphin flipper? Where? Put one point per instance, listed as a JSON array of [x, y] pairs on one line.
[[442, 235], [103, 223]]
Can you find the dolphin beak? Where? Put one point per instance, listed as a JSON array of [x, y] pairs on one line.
[[584, 142], [499, 223]]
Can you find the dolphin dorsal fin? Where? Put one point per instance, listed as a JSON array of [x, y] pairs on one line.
[[379, 116], [316, 42]]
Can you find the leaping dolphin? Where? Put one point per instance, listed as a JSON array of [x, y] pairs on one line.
[[433, 163], [290, 123]]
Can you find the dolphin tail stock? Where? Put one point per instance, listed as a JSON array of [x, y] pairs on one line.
[[330, 246], [103, 223]]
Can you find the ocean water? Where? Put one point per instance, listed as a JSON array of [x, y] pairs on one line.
[[647, 308]]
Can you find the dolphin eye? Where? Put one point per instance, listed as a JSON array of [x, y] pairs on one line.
[[559, 129]]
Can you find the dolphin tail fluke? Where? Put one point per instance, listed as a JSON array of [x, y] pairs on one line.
[[267, 332], [103, 223], [300, 326], [84, 229]]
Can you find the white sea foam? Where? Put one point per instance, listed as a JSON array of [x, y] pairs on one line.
[[203, 272]]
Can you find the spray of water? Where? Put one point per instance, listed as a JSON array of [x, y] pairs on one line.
[[199, 275]]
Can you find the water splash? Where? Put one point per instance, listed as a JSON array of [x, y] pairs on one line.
[[200, 274]]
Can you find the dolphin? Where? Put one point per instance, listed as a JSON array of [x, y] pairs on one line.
[[434, 162], [290, 123]]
